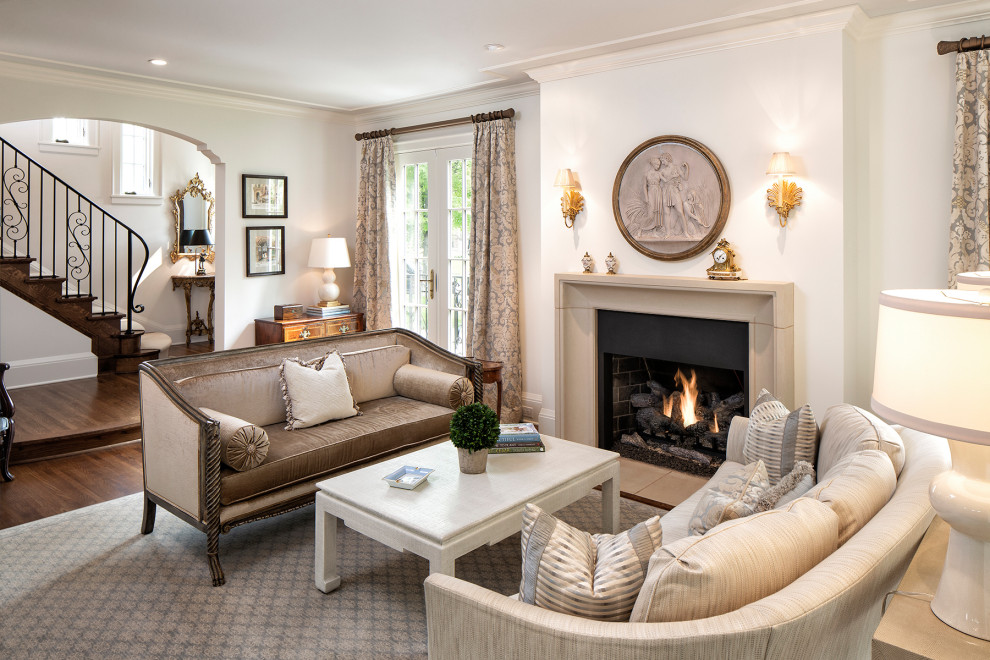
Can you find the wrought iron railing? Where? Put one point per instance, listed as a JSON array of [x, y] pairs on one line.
[[67, 234]]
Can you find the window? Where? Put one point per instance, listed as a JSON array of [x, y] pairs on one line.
[[136, 165], [429, 238], [70, 136]]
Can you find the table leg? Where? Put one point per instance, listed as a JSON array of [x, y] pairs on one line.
[[498, 405], [442, 564], [187, 289], [610, 506], [327, 577], [209, 313]]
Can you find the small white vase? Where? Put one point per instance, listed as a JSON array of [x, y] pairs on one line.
[[472, 462]]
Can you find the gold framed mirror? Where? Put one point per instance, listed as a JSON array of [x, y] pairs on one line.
[[192, 209]]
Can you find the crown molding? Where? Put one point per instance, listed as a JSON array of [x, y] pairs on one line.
[[402, 111], [835, 20], [58, 73], [927, 19]]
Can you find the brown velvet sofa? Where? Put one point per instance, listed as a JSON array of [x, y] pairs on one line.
[[405, 387]]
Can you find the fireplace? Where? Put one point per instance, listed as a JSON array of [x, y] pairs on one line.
[[669, 386], [764, 309]]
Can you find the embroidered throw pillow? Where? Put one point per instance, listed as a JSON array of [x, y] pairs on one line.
[[778, 437], [595, 576], [242, 444], [314, 395], [736, 494]]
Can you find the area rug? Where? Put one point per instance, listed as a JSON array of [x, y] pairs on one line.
[[88, 584]]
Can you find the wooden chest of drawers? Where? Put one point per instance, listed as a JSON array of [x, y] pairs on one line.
[[271, 331]]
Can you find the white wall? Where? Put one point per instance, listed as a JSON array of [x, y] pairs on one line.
[[527, 122], [313, 148], [743, 104]]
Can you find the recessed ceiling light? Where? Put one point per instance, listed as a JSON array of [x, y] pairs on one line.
[[157, 61], [493, 48]]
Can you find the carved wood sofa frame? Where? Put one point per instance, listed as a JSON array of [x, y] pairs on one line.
[[295, 496]]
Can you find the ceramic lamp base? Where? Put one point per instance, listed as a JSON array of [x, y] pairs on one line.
[[962, 498], [328, 291]]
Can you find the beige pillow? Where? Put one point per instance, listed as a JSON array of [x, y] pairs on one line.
[[847, 429], [795, 484], [856, 488], [735, 495], [242, 444], [252, 394], [432, 386], [736, 563], [596, 576], [313, 396], [778, 437], [371, 372]]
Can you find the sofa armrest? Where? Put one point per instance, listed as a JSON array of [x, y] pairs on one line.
[[436, 387], [174, 437], [736, 439]]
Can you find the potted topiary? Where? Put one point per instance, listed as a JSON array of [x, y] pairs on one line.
[[473, 430]]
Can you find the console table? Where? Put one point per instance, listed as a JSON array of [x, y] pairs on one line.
[[277, 331], [196, 325]]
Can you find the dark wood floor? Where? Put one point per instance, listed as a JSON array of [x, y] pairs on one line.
[[75, 416]]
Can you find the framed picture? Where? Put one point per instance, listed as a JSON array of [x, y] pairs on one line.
[[264, 196], [671, 198], [265, 252]]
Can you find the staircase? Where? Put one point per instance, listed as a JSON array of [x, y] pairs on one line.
[[58, 250]]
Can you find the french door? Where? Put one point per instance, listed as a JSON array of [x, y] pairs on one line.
[[429, 239]]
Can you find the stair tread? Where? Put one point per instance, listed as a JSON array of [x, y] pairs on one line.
[[17, 260], [100, 317], [74, 299], [44, 278], [143, 351]]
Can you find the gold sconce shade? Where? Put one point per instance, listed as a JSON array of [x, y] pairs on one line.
[[571, 202], [783, 195]]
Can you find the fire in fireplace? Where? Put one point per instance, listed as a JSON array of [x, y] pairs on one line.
[[678, 420], [669, 387]]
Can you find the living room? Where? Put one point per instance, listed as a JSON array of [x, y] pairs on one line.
[[858, 96]]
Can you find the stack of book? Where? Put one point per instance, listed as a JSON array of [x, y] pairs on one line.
[[517, 438], [326, 312]]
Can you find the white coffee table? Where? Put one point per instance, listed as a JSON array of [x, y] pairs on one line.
[[454, 513]]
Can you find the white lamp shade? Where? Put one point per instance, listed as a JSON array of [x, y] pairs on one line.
[[565, 179], [329, 253], [974, 281], [780, 164], [933, 363]]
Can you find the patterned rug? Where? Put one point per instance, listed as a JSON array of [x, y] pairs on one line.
[[88, 584]]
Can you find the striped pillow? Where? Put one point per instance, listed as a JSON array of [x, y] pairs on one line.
[[596, 576], [778, 437]]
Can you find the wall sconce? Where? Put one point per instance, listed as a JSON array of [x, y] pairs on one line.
[[784, 195], [571, 202]]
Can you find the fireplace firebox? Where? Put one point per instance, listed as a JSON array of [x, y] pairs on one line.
[[669, 387]]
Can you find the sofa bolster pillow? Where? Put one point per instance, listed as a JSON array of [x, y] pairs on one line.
[[431, 386], [371, 372], [736, 563], [250, 394], [242, 444]]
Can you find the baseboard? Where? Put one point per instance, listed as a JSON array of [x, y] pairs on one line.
[[54, 369], [531, 406], [548, 421]]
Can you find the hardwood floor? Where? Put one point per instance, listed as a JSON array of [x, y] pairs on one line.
[[69, 417], [49, 487]]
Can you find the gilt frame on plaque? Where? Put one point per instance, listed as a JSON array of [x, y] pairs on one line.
[[671, 198]]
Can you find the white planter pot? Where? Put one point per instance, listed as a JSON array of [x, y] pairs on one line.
[[472, 462]]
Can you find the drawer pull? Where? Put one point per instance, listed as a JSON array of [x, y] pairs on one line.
[[344, 328], [304, 334]]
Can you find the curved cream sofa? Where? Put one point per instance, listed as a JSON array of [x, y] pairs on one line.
[[829, 612]]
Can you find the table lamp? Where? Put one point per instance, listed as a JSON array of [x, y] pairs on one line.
[[201, 237], [932, 372], [329, 253]]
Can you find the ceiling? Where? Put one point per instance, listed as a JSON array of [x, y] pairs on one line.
[[353, 54]]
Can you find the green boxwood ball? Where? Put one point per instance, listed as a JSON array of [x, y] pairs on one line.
[[474, 427]]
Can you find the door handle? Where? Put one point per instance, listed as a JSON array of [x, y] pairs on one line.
[[432, 279]]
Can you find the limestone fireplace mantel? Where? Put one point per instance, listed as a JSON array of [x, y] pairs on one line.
[[768, 308]]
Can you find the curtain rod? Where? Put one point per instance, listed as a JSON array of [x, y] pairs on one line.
[[973, 43], [484, 116]]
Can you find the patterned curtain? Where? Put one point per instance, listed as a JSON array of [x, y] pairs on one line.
[[968, 231], [493, 294], [376, 192]]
